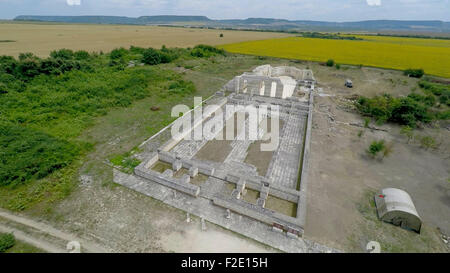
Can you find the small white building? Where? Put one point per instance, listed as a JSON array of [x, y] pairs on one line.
[[395, 206]]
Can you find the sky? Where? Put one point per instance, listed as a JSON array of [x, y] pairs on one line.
[[319, 10]]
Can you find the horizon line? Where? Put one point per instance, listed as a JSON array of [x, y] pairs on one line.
[[212, 19]]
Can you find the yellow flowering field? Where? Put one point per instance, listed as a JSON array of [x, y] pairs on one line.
[[432, 55]]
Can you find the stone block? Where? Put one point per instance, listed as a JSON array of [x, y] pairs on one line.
[[185, 178], [168, 173], [276, 229], [177, 165], [261, 202], [236, 194], [193, 171]]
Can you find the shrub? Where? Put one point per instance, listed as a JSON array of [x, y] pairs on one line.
[[7, 64], [3, 88], [28, 55], [28, 68], [405, 111], [151, 56], [65, 54], [118, 53], [221, 35], [415, 73], [81, 55], [330, 62], [7, 241], [445, 115], [137, 50], [428, 100], [440, 90], [28, 154], [338, 66], [376, 147], [428, 142], [202, 51]]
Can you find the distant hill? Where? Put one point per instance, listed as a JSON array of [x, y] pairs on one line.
[[80, 19], [251, 23], [172, 18]]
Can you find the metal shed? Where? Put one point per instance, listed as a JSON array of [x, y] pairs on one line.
[[396, 206]]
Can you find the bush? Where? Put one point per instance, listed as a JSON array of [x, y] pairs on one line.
[[65, 54], [440, 90], [28, 154], [53, 66], [7, 64], [151, 56], [28, 55], [376, 147], [330, 62], [27, 69], [405, 111], [428, 142], [137, 50], [118, 53], [428, 100], [81, 55], [7, 241], [338, 66], [202, 51], [415, 73]]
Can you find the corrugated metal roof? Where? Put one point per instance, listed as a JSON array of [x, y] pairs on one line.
[[396, 200]]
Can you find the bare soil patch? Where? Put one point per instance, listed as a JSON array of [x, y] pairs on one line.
[[251, 196], [261, 159], [282, 206]]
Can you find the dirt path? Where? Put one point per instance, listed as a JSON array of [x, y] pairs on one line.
[[22, 236], [42, 235]]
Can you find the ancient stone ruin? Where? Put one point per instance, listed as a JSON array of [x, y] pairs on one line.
[[233, 183]]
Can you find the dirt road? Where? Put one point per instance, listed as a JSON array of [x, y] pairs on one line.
[[42, 235]]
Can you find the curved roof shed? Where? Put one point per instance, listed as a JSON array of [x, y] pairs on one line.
[[396, 206]]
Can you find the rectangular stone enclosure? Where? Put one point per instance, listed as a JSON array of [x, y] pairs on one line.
[[259, 174]]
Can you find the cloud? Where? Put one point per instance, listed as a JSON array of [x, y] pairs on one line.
[[374, 2], [73, 2]]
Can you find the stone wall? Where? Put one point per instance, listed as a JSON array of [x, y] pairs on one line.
[[258, 213], [168, 181]]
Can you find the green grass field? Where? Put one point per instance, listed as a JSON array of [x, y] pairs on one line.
[[432, 55]]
